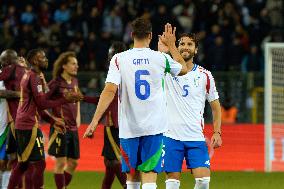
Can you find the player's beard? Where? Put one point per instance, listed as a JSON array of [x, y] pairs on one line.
[[189, 56]]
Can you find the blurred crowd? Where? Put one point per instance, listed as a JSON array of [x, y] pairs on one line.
[[231, 33]]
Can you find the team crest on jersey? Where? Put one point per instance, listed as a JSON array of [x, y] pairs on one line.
[[196, 81]]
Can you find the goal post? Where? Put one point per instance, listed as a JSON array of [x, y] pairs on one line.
[[274, 107]]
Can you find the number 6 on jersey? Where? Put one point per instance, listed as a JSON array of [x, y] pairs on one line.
[[140, 82]]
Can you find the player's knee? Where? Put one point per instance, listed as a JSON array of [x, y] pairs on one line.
[[173, 175], [60, 165], [202, 183], [72, 164], [172, 184]]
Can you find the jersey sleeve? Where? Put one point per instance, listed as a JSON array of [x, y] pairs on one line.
[[40, 97], [114, 75], [53, 86], [211, 91], [6, 72], [171, 66]]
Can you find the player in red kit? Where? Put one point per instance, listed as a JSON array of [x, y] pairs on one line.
[[65, 146], [13, 69], [28, 135]]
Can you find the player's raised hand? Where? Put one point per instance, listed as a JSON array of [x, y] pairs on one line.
[[216, 140], [89, 133], [169, 35], [161, 46]]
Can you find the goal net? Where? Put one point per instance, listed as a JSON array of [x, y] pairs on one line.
[[274, 107]]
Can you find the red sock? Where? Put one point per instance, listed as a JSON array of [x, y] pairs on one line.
[[120, 175], [29, 177], [68, 178], [108, 178], [59, 180], [16, 174], [38, 176]]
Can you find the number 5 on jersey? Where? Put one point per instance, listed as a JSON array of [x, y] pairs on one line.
[[185, 89], [142, 84]]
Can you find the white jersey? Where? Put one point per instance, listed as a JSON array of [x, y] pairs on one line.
[[140, 73], [3, 111], [186, 97]]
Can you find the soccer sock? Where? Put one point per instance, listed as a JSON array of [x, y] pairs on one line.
[[1, 178], [38, 176], [120, 175], [172, 184], [16, 174], [28, 176], [59, 180], [5, 179], [202, 183], [149, 186], [68, 178], [108, 178], [133, 185]]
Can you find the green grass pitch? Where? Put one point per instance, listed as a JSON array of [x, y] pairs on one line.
[[219, 180]]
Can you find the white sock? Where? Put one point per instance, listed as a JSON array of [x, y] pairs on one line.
[[133, 185], [172, 184], [202, 183], [5, 179], [149, 186]]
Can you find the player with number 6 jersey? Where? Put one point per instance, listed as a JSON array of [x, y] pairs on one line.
[[139, 73]]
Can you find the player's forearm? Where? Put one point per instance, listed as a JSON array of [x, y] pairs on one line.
[[216, 114], [44, 103], [9, 94], [178, 58], [46, 116], [104, 102]]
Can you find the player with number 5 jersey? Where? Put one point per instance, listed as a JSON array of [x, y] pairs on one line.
[[139, 75], [186, 96]]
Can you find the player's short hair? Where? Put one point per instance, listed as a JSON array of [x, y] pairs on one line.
[[116, 47], [32, 53], [60, 61], [141, 28], [191, 36], [8, 56]]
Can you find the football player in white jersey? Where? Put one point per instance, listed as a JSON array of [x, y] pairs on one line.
[[186, 96], [139, 75]]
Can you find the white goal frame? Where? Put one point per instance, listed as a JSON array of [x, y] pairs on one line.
[[268, 104]]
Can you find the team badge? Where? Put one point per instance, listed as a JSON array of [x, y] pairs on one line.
[[196, 81]]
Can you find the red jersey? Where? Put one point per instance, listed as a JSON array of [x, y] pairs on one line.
[[12, 76], [70, 112], [33, 99]]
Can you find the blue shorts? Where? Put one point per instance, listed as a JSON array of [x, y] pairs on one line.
[[142, 153], [3, 154], [194, 152]]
